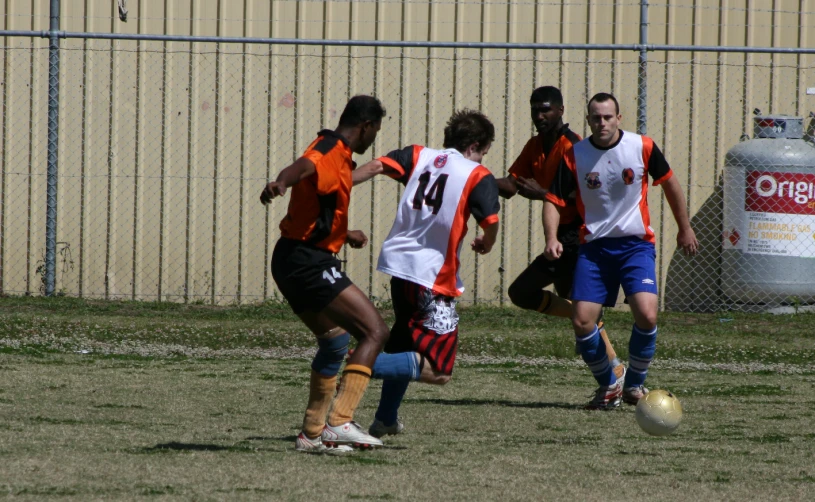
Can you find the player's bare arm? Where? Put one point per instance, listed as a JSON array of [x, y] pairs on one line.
[[530, 189], [290, 176], [686, 238], [551, 220], [370, 169], [367, 171], [507, 187], [483, 243], [356, 239]]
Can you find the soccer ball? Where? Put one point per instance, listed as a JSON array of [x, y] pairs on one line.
[[659, 413]]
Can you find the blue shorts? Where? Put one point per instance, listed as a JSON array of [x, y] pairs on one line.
[[608, 263]]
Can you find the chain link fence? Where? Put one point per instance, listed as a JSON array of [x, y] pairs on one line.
[[164, 148]]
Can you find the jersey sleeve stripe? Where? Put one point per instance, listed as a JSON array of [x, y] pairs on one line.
[[394, 166], [664, 178], [489, 220], [554, 199]]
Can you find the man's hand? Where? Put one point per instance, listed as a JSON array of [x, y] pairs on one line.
[[481, 245], [686, 239], [530, 189], [553, 250], [356, 239], [272, 190]]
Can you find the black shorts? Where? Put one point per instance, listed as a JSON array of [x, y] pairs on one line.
[[542, 272], [426, 322], [308, 277]]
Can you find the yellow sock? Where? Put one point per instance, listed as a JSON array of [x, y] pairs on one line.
[[610, 352], [320, 392], [354, 381], [554, 305]]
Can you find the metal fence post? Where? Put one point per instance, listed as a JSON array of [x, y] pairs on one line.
[[642, 91], [53, 151]]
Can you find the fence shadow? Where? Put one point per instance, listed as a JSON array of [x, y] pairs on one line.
[[693, 283]]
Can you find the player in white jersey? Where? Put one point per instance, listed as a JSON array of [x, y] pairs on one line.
[[609, 173], [421, 254]]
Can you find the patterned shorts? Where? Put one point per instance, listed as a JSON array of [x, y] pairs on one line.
[[426, 322]]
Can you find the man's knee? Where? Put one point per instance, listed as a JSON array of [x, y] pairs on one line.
[[646, 321], [583, 325], [517, 294]]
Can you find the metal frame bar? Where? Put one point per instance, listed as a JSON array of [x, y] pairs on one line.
[[397, 43]]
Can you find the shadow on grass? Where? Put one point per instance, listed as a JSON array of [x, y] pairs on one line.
[[496, 402], [176, 446]]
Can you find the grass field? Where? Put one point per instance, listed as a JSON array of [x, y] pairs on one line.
[[122, 401]]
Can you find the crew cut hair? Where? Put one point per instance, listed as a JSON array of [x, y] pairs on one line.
[[361, 108], [466, 127], [602, 97], [546, 94]]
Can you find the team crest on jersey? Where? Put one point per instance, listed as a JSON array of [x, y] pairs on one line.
[[628, 176], [593, 181], [440, 161]]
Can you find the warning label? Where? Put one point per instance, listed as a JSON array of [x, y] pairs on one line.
[[780, 214]]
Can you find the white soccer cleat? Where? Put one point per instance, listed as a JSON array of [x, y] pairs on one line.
[[306, 445], [379, 429], [349, 434], [606, 397]]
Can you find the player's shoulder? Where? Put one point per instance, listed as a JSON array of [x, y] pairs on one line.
[[327, 140], [568, 137]]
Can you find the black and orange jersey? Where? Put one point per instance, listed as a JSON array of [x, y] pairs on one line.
[[318, 207], [534, 162]]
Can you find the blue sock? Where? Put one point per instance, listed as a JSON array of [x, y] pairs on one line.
[[402, 366], [641, 348], [330, 353], [393, 391], [593, 351]]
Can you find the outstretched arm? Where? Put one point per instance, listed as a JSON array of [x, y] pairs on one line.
[[686, 238], [367, 171], [507, 187], [290, 176]]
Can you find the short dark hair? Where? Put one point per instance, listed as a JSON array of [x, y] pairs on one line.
[[602, 97], [547, 93], [361, 109], [466, 127]]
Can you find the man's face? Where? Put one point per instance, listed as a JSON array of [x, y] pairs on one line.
[[368, 132], [545, 115], [604, 121]]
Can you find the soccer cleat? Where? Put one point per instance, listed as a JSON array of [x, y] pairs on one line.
[[606, 397], [379, 429], [632, 395], [349, 434], [306, 445]]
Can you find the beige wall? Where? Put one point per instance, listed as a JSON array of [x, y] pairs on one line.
[[164, 147]]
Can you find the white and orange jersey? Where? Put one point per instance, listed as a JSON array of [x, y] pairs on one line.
[[442, 190], [611, 185]]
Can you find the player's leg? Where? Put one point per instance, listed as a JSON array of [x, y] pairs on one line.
[[639, 284], [400, 347], [352, 310], [563, 282], [527, 292], [323, 296], [595, 285], [297, 270]]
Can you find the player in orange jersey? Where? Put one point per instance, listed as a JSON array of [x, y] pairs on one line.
[[310, 277]]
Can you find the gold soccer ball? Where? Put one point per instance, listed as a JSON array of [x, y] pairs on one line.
[[659, 413]]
